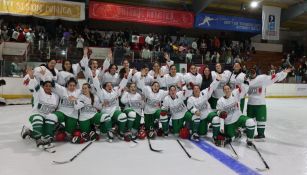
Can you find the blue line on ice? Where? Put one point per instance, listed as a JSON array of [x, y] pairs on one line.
[[225, 159]]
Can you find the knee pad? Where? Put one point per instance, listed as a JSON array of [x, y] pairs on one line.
[[52, 117], [250, 123], [131, 115], [38, 119], [216, 120], [122, 117], [195, 118], [105, 117]]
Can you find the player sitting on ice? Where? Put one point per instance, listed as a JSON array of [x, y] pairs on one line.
[[228, 108], [180, 115], [44, 103], [256, 106], [87, 105], [109, 97], [65, 113], [152, 110], [198, 105], [134, 104]]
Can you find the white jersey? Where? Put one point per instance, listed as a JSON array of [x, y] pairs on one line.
[[201, 103], [66, 106], [158, 78], [86, 109], [43, 103], [110, 100], [218, 92], [256, 92], [133, 101], [195, 79], [174, 80], [64, 76], [236, 81], [165, 69], [40, 77], [114, 79], [137, 77], [176, 106], [231, 105]]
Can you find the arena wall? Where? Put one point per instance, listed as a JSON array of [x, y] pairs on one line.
[[14, 88]]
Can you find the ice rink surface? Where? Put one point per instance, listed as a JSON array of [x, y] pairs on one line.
[[285, 150]]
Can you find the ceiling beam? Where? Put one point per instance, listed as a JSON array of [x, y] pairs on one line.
[[200, 5], [293, 11]]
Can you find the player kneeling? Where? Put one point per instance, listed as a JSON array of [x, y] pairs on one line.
[[228, 108], [44, 103]]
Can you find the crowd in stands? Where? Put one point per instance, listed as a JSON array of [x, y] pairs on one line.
[[146, 47]]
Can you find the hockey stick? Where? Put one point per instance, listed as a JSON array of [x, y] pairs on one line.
[[264, 162], [236, 156], [187, 152], [152, 149], [75, 156]]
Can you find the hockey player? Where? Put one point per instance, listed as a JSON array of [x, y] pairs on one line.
[[48, 70], [137, 76], [152, 110], [87, 105], [237, 79], [218, 92], [109, 97], [228, 108], [193, 77], [110, 75], [198, 105], [90, 67], [256, 106], [69, 70], [134, 104], [158, 75], [66, 112], [174, 102], [174, 78], [44, 103]]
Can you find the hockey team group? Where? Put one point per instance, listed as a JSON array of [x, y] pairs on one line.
[[131, 104]]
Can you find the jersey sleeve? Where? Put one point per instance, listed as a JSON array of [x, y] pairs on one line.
[[191, 106], [59, 90], [79, 103], [96, 84], [165, 104], [269, 80], [97, 103], [208, 91], [34, 86], [124, 98], [76, 68]]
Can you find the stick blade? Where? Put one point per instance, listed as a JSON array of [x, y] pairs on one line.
[[63, 162]]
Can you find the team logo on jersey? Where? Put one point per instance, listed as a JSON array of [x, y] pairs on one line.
[[178, 108], [46, 108], [88, 109], [66, 103]]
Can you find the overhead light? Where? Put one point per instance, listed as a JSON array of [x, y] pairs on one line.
[[254, 4], [63, 52]]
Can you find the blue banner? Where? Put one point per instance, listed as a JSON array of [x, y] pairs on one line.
[[220, 22]]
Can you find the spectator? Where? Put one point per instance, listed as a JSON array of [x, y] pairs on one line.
[[272, 70], [194, 45], [299, 73], [5, 34], [189, 56], [207, 78], [15, 35], [149, 40], [146, 53], [80, 42]]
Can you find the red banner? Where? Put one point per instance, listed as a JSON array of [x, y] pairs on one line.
[[119, 12]]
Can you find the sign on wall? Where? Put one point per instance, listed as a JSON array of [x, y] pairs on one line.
[[270, 22], [48, 9], [155, 16], [99, 53], [232, 23]]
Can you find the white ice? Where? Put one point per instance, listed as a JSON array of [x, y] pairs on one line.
[[285, 149]]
